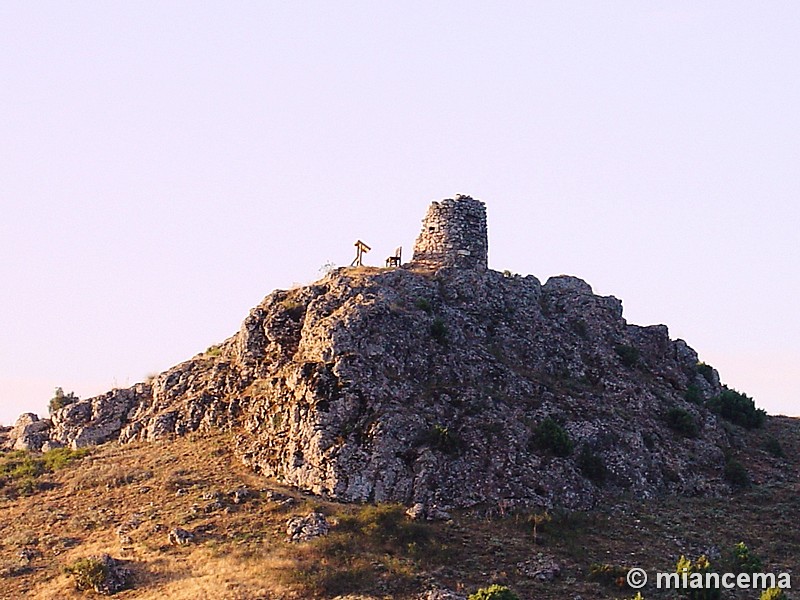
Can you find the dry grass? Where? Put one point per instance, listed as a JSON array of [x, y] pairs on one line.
[[124, 500]]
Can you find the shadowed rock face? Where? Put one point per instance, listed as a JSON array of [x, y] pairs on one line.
[[429, 386]]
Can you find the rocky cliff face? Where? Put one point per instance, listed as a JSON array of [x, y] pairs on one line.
[[432, 386]]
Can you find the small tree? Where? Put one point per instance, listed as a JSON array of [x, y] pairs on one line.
[[60, 400], [551, 436], [707, 371], [89, 573], [693, 394], [774, 447]]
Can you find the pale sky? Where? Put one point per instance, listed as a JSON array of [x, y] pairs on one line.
[[165, 165]]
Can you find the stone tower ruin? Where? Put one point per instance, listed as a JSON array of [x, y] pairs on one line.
[[454, 234]]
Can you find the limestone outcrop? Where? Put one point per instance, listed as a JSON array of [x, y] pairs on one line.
[[430, 384], [96, 420], [29, 432]]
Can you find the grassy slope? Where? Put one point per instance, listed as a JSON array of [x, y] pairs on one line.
[[241, 552]]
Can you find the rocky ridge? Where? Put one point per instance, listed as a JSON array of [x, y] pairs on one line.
[[429, 385]]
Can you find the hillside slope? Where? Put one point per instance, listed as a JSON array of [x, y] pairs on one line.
[[125, 499], [393, 431]]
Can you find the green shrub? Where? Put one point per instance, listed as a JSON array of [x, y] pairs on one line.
[[423, 304], [682, 421], [627, 354], [443, 439], [592, 466], [89, 573], [439, 330], [60, 400], [608, 574], [26, 466], [23, 469], [494, 592], [774, 447], [693, 394], [744, 561], [27, 486], [707, 371], [736, 474], [738, 408], [552, 437], [773, 594], [702, 565]]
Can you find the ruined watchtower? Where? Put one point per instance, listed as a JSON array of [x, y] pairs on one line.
[[454, 234]]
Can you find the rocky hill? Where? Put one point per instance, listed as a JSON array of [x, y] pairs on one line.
[[439, 384]]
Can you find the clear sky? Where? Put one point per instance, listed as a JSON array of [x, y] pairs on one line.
[[165, 165]]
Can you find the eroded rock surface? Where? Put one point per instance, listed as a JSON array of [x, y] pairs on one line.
[[427, 386], [29, 433]]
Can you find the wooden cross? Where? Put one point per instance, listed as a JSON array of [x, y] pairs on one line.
[[361, 249]]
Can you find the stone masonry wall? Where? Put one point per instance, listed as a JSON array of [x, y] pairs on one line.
[[454, 234]]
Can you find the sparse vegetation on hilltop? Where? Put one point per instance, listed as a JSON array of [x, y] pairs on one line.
[[60, 400]]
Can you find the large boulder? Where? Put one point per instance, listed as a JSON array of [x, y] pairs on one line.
[[29, 433]]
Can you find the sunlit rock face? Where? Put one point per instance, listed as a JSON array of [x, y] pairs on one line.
[[429, 385]]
